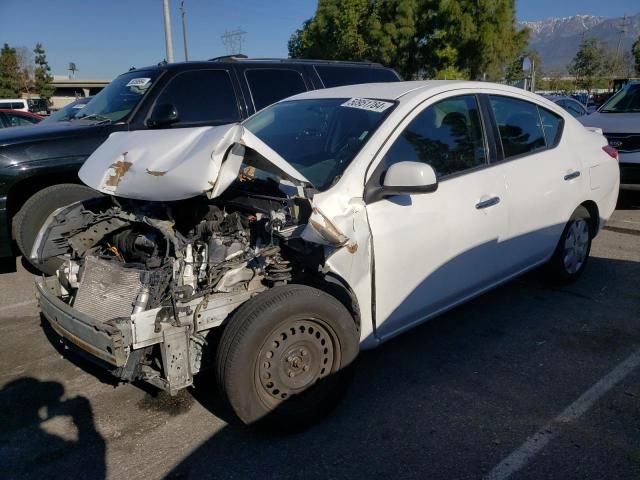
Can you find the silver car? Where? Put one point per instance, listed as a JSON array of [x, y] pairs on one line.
[[619, 119]]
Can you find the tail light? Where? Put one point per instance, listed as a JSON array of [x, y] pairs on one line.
[[612, 152]]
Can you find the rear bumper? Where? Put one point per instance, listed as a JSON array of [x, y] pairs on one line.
[[104, 341], [629, 175]]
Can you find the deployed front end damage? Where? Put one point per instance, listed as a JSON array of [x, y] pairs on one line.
[[151, 269]]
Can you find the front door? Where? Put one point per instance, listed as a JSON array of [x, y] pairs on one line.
[[433, 250]]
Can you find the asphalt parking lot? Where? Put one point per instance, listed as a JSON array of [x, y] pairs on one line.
[[526, 382]]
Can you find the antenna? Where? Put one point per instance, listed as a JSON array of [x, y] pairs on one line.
[[232, 40]]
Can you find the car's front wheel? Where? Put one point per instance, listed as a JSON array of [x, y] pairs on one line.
[[35, 211], [572, 253], [283, 360]]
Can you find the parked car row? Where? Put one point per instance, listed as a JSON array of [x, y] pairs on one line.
[[274, 249], [38, 167], [271, 218]]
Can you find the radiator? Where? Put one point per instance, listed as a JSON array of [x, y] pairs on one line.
[[107, 289]]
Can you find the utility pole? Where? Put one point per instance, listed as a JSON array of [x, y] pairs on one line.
[[184, 32], [619, 50], [168, 38]]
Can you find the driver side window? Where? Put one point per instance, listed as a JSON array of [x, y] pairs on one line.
[[446, 135]]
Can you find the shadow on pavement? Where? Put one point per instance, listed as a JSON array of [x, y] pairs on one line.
[[45, 435], [628, 200], [453, 397]]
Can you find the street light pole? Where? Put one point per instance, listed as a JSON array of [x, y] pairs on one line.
[[168, 38], [184, 32]]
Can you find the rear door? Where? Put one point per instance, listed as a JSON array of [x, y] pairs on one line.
[[542, 176]]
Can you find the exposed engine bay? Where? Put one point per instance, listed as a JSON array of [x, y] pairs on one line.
[[159, 275]]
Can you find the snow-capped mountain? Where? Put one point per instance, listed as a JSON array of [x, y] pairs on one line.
[[557, 39]]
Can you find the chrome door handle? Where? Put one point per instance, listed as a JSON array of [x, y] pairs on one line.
[[572, 175], [488, 203]]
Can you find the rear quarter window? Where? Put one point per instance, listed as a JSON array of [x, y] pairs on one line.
[[335, 76], [524, 127]]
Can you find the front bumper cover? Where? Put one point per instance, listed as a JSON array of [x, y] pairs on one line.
[[107, 342]]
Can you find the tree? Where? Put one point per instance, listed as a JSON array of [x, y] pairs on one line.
[[635, 50], [42, 77], [9, 73], [25, 69], [419, 38], [589, 63]]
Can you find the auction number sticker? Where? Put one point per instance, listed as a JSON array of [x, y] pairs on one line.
[[367, 104], [138, 82]]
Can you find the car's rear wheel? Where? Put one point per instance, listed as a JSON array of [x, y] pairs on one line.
[[27, 222], [572, 253], [283, 360]]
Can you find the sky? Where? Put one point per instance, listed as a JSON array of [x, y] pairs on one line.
[[106, 37]]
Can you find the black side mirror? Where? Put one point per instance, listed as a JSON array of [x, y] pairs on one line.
[[163, 115]]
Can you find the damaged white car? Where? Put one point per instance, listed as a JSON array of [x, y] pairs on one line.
[[274, 250]]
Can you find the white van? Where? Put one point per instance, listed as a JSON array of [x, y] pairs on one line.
[[14, 104]]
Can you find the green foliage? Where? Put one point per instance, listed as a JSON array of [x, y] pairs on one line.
[[590, 63], [9, 73], [635, 50], [42, 75], [419, 38]]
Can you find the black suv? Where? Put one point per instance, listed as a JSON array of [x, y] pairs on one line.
[[39, 165]]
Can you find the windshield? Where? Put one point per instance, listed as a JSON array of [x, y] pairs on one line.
[[118, 98], [67, 112], [319, 137], [626, 100]]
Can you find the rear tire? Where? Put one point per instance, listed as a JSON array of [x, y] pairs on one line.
[[284, 360], [27, 222], [572, 252]]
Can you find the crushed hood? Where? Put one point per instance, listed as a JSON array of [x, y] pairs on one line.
[[174, 164]]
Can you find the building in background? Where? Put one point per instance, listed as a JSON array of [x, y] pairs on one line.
[[69, 90]]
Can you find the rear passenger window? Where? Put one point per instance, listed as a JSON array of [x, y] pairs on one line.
[[202, 96], [270, 85], [334, 76], [446, 135], [519, 126]]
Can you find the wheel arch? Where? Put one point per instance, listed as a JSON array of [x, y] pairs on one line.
[[594, 213], [24, 189], [338, 288]]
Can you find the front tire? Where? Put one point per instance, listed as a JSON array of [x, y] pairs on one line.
[[27, 222], [572, 253], [284, 359]]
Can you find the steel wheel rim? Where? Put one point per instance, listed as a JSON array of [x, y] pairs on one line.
[[576, 245], [293, 358]]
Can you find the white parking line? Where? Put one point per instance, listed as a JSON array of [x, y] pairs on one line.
[[17, 305], [534, 444]]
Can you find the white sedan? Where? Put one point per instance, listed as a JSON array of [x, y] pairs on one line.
[[274, 250]]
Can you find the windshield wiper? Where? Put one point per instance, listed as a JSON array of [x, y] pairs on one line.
[[94, 116]]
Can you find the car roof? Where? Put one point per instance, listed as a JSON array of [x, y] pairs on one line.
[[235, 60], [396, 90]]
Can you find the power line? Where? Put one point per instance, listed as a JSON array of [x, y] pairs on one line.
[[232, 40]]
